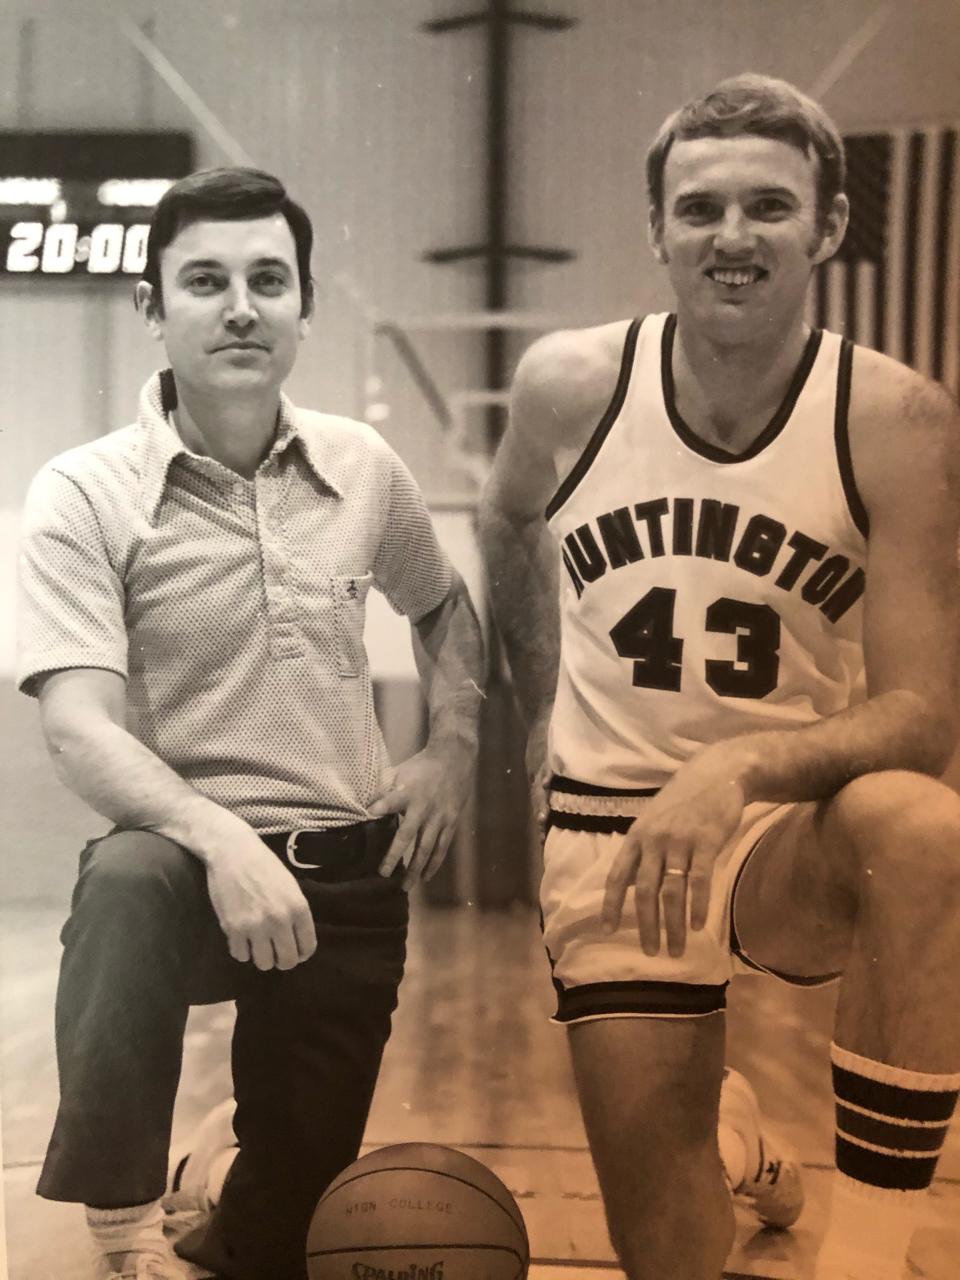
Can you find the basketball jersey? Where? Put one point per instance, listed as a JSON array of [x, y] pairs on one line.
[[704, 594]]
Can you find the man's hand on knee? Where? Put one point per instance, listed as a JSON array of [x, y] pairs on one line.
[[260, 906], [668, 856]]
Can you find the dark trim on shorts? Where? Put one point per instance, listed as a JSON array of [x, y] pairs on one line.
[[736, 947], [841, 433], [572, 787], [606, 824], [603, 824], [602, 430], [663, 999]]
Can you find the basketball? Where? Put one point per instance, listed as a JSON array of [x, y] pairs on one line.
[[417, 1212]]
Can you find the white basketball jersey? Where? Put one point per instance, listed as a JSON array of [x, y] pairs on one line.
[[704, 594]]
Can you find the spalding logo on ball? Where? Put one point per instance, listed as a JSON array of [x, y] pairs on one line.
[[417, 1212]]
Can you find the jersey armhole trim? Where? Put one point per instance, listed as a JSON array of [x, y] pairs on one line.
[[602, 430], [841, 431]]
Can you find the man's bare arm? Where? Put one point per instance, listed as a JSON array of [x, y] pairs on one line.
[[82, 712], [560, 391], [429, 789], [258, 902], [448, 650], [519, 553]]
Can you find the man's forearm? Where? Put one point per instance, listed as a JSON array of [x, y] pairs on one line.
[[448, 649], [894, 730], [124, 781], [521, 562]]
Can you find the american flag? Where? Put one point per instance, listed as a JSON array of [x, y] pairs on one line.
[[895, 284]]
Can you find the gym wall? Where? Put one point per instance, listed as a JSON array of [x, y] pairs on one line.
[[377, 127]]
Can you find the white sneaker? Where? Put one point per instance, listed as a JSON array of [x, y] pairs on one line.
[[773, 1186], [212, 1141], [140, 1264]]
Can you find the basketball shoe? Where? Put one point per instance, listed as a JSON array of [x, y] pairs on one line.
[[140, 1264], [129, 1244], [772, 1184]]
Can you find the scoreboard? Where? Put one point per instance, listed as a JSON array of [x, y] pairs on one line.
[[78, 204]]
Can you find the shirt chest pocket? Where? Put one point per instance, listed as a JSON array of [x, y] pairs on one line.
[[350, 607]]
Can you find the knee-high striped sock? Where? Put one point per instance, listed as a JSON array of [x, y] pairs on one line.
[[891, 1126]]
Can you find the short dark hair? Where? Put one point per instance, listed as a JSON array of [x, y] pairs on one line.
[[231, 194], [753, 104]]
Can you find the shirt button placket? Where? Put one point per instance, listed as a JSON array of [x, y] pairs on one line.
[[285, 640]]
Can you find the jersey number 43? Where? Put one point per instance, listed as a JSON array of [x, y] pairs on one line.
[[645, 634]]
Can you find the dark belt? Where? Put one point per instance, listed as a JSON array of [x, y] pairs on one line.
[[339, 853]]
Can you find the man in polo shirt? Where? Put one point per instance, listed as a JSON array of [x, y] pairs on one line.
[[192, 627]]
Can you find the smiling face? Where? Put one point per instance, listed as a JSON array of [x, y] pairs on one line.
[[741, 233], [230, 315]]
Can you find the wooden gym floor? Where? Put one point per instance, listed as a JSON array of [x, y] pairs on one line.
[[473, 1063]]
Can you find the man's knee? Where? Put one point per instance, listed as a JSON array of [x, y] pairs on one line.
[[901, 835], [138, 866]]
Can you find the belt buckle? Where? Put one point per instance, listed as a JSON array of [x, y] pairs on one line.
[[292, 847]]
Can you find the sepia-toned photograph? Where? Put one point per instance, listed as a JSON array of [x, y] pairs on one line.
[[480, 566]]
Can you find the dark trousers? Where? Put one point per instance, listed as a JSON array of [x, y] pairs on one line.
[[141, 945]]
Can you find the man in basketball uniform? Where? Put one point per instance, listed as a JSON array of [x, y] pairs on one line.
[[192, 625], [733, 638]]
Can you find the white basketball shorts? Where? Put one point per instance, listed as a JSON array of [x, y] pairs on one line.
[[604, 975]]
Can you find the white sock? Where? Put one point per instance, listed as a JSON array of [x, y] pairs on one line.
[[733, 1155], [868, 1232], [891, 1124], [220, 1166], [138, 1226]]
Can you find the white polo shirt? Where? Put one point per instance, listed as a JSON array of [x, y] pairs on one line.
[[234, 608]]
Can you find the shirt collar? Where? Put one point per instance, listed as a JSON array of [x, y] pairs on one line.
[[323, 454], [161, 443]]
